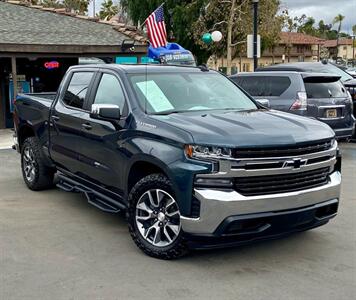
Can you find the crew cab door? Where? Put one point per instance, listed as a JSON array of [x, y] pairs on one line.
[[66, 119], [100, 148]]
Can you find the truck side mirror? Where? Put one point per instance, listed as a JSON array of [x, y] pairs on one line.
[[264, 102], [108, 112]]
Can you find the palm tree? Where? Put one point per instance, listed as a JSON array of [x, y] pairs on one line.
[[108, 10], [338, 20], [354, 29]]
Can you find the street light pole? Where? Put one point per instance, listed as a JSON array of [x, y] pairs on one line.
[[255, 25], [353, 51]]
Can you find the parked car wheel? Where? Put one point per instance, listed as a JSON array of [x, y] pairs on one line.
[[154, 218], [37, 175]]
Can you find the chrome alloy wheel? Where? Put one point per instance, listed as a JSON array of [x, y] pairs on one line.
[[29, 164], [158, 218]]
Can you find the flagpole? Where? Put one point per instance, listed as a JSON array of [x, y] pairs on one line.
[[144, 22]]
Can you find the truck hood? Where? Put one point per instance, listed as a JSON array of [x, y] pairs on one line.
[[248, 129]]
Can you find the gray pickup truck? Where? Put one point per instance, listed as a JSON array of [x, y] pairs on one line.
[[193, 160]]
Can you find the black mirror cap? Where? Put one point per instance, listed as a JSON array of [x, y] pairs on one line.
[[109, 112]]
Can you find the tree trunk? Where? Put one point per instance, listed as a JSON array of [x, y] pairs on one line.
[[229, 37], [273, 55]]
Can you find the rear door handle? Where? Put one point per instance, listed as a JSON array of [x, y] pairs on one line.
[[55, 118], [87, 126]]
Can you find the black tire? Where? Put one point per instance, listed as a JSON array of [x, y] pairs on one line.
[[42, 176], [154, 181]]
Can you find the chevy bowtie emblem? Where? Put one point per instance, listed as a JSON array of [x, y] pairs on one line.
[[296, 163]]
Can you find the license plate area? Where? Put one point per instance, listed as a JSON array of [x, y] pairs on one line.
[[331, 113]]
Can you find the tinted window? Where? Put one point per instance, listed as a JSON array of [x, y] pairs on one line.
[[264, 85], [109, 91], [325, 89], [77, 89], [180, 92]]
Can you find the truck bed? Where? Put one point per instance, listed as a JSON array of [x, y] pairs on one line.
[[34, 109]]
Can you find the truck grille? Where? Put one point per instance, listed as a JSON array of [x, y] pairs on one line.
[[263, 185], [282, 151]]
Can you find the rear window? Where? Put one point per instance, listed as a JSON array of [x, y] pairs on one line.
[[325, 90], [77, 89], [264, 85]]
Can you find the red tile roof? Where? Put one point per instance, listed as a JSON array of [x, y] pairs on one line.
[[299, 38], [333, 43]]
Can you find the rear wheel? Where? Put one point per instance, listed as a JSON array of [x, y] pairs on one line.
[[36, 174], [154, 218]]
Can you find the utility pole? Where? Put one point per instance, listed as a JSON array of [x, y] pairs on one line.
[[93, 8], [353, 51], [255, 25]]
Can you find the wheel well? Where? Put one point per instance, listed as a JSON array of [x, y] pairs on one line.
[[24, 133], [140, 170]]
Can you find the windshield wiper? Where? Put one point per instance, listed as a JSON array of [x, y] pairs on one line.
[[168, 112]]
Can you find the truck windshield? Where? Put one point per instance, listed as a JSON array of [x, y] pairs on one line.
[[166, 93]]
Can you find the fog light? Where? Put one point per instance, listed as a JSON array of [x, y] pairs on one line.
[[213, 182]]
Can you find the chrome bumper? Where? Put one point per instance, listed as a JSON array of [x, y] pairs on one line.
[[217, 205]]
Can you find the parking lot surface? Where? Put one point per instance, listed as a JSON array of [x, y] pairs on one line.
[[54, 245]]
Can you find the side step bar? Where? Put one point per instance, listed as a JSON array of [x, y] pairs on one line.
[[94, 197]]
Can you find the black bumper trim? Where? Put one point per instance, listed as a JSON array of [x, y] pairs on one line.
[[245, 229]]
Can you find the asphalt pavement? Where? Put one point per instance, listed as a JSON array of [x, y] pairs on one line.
[[54, 245]]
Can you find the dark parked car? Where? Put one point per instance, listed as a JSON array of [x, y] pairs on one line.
[[319, 67], [318, 95], [193, 160]]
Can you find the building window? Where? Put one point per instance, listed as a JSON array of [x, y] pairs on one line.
[[345, 47], [300, 49], [246, 68]]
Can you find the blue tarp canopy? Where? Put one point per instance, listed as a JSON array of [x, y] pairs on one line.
[[172, 53], [171, 48]]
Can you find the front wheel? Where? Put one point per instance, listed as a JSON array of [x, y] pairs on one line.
[[154, 218]]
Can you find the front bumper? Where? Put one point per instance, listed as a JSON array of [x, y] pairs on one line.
[[344, 133], [239, 230], [217, 205]]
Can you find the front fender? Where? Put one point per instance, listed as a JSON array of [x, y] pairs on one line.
[[170, 158]]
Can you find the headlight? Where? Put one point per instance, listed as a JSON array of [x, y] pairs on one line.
[[198, 151]]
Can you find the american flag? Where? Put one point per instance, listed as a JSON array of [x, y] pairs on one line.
[[156, 28]]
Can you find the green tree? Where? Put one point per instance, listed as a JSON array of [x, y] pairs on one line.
[[51, 3], [179, 17], [338, 20], [108, 10], [234, 19], [188, 20], [78, 6], [354, 29], [307, 26]]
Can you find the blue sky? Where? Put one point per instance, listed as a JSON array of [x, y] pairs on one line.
[[318, 9]]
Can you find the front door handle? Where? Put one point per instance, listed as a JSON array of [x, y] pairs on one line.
[[55, 118], [87, 126]]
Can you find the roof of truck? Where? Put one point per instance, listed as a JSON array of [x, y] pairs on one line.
[[141, 68]]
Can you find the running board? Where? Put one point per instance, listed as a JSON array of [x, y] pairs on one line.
[[94, 197]]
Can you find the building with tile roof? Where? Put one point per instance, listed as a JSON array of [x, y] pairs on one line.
[[291, 47], [32, 37], [344, 48]]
